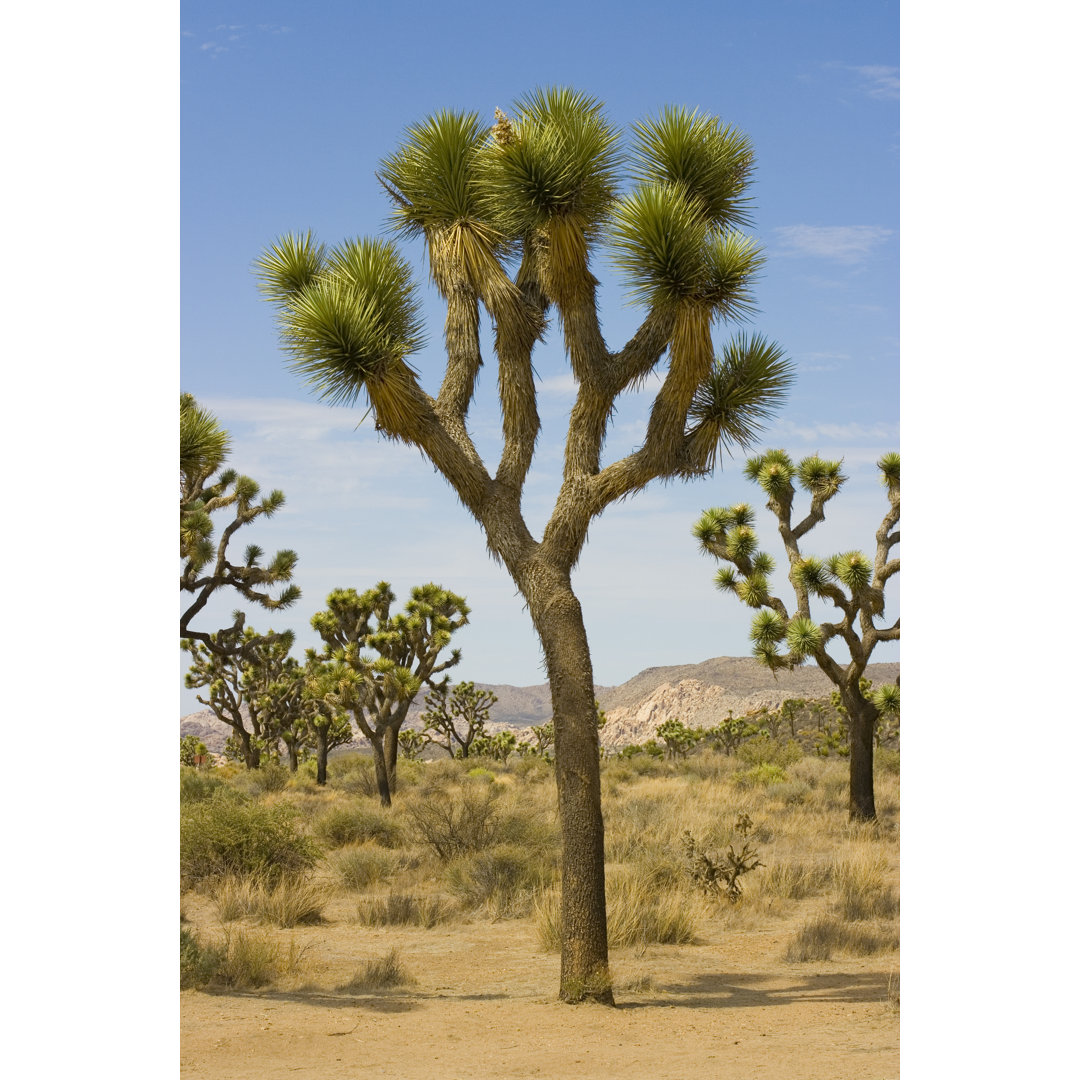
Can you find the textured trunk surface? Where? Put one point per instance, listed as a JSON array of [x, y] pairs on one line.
[[584, 973], [321, 750], [382, 776], [862, 716]]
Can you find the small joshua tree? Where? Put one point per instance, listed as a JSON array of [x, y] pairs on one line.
[[851, 581], [678, 738], [377, 692], [204, 447], [456, 716]]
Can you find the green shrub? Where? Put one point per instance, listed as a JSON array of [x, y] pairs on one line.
[[761, 750], [196, 785], [198, 963], [359, 867], [356, 824], [270, 776], [501, 879], [759, 776], [229, 835], [353, 773], [480, 773]]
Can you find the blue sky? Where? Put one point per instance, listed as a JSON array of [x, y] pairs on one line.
[[286, 111]]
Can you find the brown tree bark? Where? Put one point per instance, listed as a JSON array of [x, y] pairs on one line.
[[862, 717]]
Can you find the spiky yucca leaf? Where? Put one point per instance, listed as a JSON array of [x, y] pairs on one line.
[[745, 388], [352, 329], [810, 574], [851, 568], [204, 443], [711, 528], [803, 636], [887, 699], [727, 579], [775, 480], [768, 626], [763, 563], [712, 162], [755, 463], [658, 239], [766, 653], [432, 175], [753, 591], [742, 514], [889, 464], [559, 158], [731, 262], [741, 542], [820, 477], [289, 265]]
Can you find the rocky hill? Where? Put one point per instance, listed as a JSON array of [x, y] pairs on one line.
[[698, 694]]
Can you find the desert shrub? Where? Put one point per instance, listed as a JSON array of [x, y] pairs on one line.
[[887, 761], [718, 875], [790, 792], [270, 776], [199, 963], [196, 785], [863, 885], [382, 973], [823, 935], [356, 824], [792, 880], [354, 774], [440, 774], [638, 913], [226, 835], [761, 750], [358, 867], [402, 909], [533, 769], [250, 960], [478, 772], [456, 826], [501, 879], [762, 775]]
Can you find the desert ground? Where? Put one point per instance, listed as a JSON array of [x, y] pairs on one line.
[[474, 994]]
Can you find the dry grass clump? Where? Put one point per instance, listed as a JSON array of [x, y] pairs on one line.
[[360, 866], [381, 973], [638, 913], [864, 889], [825, 934], [502, 880], [403, 909], [284, 902], [355, 823], [244, 960]]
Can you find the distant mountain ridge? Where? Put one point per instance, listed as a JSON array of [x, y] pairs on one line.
[[698, 694]]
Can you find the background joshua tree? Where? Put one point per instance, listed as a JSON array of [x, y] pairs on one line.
[[457, 715], [510, 219], [851, 581], [204, 447], [378, 693]]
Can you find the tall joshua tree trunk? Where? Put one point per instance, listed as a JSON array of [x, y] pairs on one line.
[[862, 717], [561, 628]]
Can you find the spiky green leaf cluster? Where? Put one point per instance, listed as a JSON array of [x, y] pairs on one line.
[[769, 626], [810, 574], [819, 477], [560, 161], [710, 161], [803, 637], [745, 387], [851, 568], [889, 464]]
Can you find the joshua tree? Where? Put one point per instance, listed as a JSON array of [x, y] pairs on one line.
[[273, 684], [851, 581], [204, 446], [462, 707], [330, 687], [678, 738], [380, 691], [511, 218]]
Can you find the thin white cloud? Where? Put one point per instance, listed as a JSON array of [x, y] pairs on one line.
[[879, 81], [842, 243], [845, 435]]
